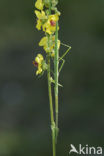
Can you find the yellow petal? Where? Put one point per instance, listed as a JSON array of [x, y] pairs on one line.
[[48, 30], [43, 41], [39, 71], [54, 17], [40, 57], [43, 16], [46, 25], [38, 14], [52, 28], [46, 48], [39, 24], [39, 4], [37, 60]]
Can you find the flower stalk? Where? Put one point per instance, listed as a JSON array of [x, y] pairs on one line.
[[47, 20], [56, 75], [50, 95], [51, 107]]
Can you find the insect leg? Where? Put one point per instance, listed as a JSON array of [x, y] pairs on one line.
[[63, 61]]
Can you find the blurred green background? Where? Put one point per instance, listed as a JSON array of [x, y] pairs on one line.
[[24, 108]]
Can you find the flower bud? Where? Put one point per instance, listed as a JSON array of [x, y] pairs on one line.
[[44, 66], [46, 3], [54, 3]]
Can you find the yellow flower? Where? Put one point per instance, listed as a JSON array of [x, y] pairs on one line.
[[44, 42], [41, 17], [50, 26], [39, 71], [38, 63], [39, 4], [53, 51], [38, 25]]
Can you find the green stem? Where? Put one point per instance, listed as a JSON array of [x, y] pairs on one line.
[[50, 95], [56, 75], [51, 107], [49, 6], [49, 90]]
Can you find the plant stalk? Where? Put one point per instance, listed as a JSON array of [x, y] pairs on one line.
[[51, 108], [56, 75], [50, 95]]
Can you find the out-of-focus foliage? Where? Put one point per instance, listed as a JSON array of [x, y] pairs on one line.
[[24, 108]]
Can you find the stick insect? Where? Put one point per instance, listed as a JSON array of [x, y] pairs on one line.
[[61, 58], [63, 61]]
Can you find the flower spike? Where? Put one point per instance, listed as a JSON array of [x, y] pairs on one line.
[[47, 16]]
